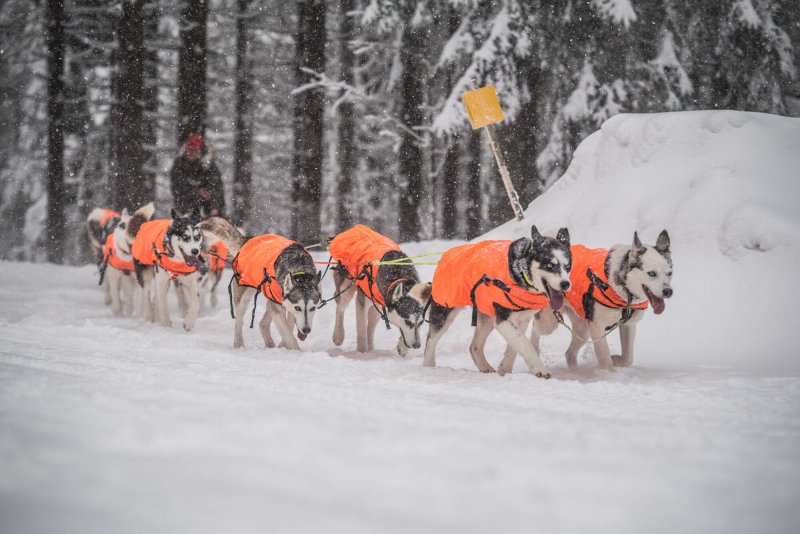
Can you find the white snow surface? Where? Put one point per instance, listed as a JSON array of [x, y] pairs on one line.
[[111, 424]]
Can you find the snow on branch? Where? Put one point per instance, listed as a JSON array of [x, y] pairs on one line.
[[617, 11]]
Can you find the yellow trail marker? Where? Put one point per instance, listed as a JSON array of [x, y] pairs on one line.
[[483, 107], [483, 110]]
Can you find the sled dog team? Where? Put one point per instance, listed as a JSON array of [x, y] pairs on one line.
[[507, 283]]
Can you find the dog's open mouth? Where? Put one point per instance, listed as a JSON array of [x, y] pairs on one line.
[[656, 302], [301, 336], [191, 261], [556, 298]]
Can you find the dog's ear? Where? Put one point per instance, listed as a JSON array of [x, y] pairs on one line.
[[563, 236], [637, 243], [426, 292], [288, 284], [535, 235], [521, 248], [125, 214], [173, 214], [397, 294], [662, 244]]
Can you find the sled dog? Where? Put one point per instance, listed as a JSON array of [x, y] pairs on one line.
[[505, 282], [610, 288], [99, 224], [389, 290], [165, 250], [279, 268], [117, 267]]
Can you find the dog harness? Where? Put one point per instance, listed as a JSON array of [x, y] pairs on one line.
[[219, 255], [151, 248], [110, 257], [356, 250], [589, 284], [478, 275], [254, 266]]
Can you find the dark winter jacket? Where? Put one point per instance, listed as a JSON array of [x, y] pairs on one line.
[[188, 177]]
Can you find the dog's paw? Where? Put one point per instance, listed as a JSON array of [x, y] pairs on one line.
[[269, 343], [188, 326], [544, 375], [402, 350], [338, 338], [619, 361], [487, 369]]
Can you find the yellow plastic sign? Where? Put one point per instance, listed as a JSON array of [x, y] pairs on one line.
[[483, 107]]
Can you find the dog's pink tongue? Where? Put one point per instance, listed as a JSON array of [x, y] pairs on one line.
[[301, 336], [191, 261], [656, 302], [556, 299]]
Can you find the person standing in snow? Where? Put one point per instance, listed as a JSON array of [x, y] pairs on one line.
[[195, 180]]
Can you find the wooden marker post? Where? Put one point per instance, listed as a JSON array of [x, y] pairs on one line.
[[483, 110]]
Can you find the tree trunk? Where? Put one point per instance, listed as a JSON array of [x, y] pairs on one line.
[[309, 109], [346, 157], [55, 131], [192, 71], [451, 168], [474, 192], [411, 113], [147, 189], [127, 184], [242, 144]]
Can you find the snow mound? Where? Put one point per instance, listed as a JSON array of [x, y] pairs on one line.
[[725, 185]]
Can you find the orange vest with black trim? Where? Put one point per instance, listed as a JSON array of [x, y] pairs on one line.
[[219, 254], [595, 259], [152, 233], [460, 269], [357, 249], [110, 256], [256, 256], [108, 214]]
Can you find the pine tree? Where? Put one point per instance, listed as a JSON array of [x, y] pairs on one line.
[[346, 155], [192, 110], [55, 132], [242, 157]]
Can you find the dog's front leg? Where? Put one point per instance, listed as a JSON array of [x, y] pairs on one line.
[[361, 323], [481, 333], [342, 301], [192, 297], [114, 278], [580, 336], [242, 296], [146, 294], [162, 288], [373, 317], [107, 299], [522, 344], [441, 319], [278, 314], [627, 335], [601, 349], [128, 287], [510, 355], [264, 325]]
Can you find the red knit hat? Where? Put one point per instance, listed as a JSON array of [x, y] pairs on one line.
[[195, 142]]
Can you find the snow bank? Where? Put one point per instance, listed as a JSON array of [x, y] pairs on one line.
[[726, 185]]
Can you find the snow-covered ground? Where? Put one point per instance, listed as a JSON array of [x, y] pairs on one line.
[[116, 425]]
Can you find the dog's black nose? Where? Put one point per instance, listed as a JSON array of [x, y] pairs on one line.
[[195, 251], [565, 285], [415, 345], [306, 330], [667, 292]]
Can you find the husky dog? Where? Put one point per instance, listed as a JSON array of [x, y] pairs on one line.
[[118, 260], [164, 250], [634, 276], [295, 277], [537, 270], [99, 224]]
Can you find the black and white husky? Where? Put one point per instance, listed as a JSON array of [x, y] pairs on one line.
[[183, 242], [406, 298], [122, 281], [639, 273], [548, 262], [301, 293]]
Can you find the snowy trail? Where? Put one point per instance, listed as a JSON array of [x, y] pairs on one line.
[[114, 425]]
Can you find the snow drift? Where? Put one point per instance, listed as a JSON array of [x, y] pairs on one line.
[[726, 185]]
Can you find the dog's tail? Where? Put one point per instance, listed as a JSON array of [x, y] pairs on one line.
[[139, 217], [219, 229]]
